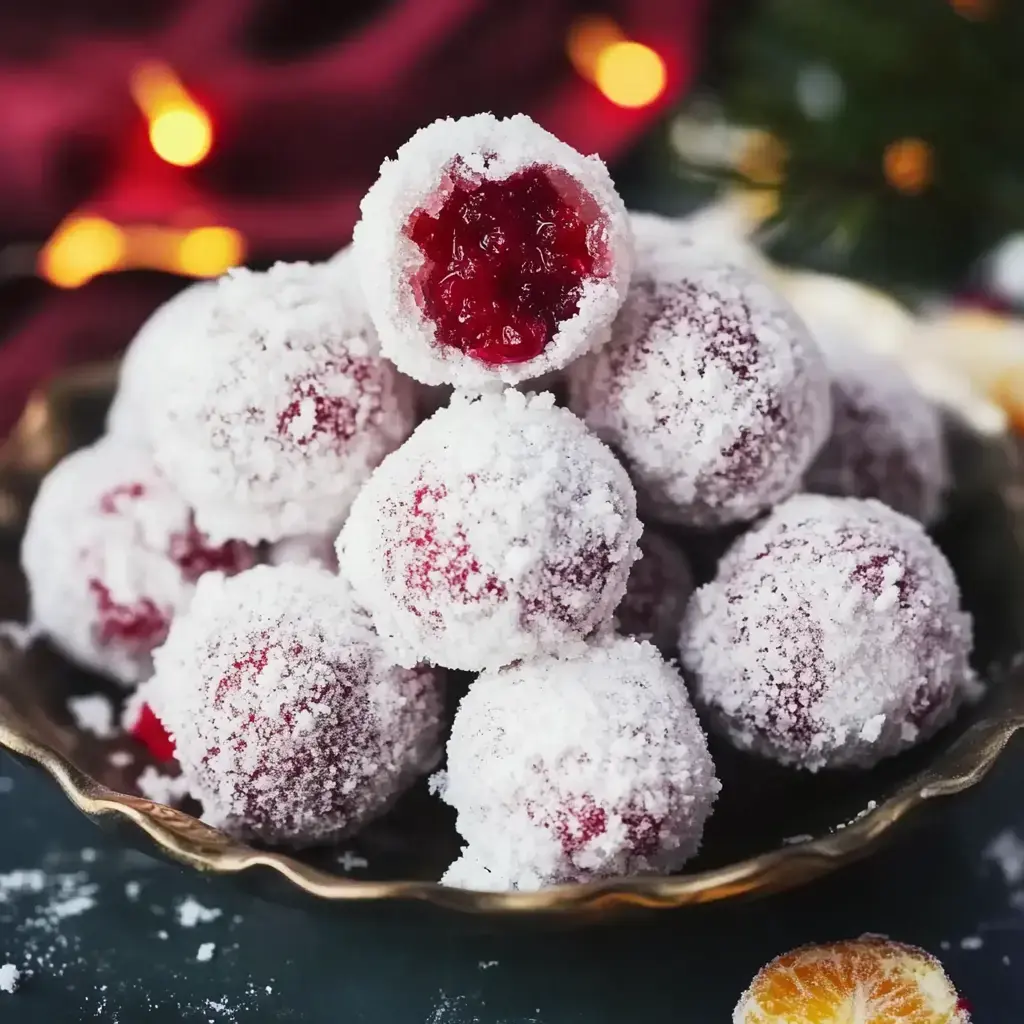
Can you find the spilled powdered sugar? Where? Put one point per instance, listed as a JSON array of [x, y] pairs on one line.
[[812, 643], [501, 529], [711, 389], [94, 713], [488, 148], [9, 975], [191, 912]]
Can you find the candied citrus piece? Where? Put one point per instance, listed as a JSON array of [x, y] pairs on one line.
[[869, 980]]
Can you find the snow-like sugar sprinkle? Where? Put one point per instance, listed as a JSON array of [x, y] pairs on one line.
[[1006, 851], [294, 344], [711, 389], [795, 657], [93, 713], [574, 768], [191, 912], [493, 149], [501, 529], [161, 787], [972, 942], [9, 975], [886, 441], [132, 890], [290, 722], [205, 952], [657, 236]]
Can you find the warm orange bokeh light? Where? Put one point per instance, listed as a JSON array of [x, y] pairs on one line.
[[630, 74], [208, 252], [81, 248], [908, 165], [973, 10], [588, 37], [180, 131]]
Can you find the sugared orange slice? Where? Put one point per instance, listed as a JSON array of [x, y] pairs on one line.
[[862, 981]]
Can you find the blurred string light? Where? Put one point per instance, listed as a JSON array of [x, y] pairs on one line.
[[973, 10], [908, 165], [84, 246], [626, 72], [180, 131]]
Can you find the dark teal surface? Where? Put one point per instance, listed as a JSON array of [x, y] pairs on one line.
[[339, 967]]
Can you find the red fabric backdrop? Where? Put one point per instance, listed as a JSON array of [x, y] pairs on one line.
[[303, 111]]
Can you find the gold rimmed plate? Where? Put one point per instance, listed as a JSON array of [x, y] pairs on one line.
[[774, 828]]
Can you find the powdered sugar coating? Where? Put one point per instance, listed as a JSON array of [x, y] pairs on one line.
[[570, 769], [832, 635], [161, 340], [886, 440], [306, 549], [660, 585], [499, 530], [662, 238], [289, 721], [479, 148], [112, 554], [282, 407], [711, 390]]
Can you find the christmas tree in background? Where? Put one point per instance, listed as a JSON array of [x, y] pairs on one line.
[[888, 141]]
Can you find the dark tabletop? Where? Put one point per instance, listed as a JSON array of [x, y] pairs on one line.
[[128, 958]]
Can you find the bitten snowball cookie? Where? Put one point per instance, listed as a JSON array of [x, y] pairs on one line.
[[886, 440], [659, 586], [161, 340], [111, 554], [832, 636], [569, 769], [502, 528], [288, 720], [491, 251], [711, 390], [282, 408]]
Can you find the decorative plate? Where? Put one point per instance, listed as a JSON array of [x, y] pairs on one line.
[[773, 828]]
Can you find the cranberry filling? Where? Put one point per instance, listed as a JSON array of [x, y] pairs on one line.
[[505, 261], [150, 732], [195, 555]]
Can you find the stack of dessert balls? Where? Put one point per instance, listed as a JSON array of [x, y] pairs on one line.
[[281, 556]]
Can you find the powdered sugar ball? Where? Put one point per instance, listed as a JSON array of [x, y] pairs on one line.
[[288, 720], [659, 237], [658, 588], [886, 440], [112, 554], [282, 408], [832, 635], [160, 341], [570, 769], [491, 251], [711, 390], [500, 529]]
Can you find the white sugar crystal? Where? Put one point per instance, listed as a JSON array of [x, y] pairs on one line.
[[93, 713], [711, 389], [9, 975], [1007, 851], [793, 655], [499, 530], [489, 148], [205, 952], [191, 912], [972, 942], [564, 769], [160, 787], [278, 411]]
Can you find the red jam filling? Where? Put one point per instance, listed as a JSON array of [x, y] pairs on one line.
[[505, 261], [141, 625], [150, 732], [192, 552]]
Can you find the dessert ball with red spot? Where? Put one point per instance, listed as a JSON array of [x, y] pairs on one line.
[[280, 409], [659, 586], [501, 529], [288, 719], [491, 251], [567, 769], [711, 390], [111, 553], [886, 441], [159, 342], [832, 636]]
